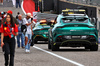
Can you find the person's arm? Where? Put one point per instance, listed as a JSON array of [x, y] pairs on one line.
[[16, 30], [29, 23], [16, 33], [25, 22], [2, 36]]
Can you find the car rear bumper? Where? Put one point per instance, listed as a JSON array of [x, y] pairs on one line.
[[75, 43], [40, 38]]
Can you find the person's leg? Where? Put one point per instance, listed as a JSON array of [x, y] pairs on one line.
[[16, 5], [19, 5], [18, 41], [29, 38], [6, 53], [12, 51], [26, 42], [22, 40]]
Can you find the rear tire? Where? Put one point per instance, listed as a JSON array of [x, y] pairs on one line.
[[94, 48], [35, 41], [54, 48], [32, 43], [49, 45]]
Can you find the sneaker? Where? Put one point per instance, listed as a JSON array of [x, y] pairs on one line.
[[26, 51]]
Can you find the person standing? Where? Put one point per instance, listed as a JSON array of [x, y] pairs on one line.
[[8, 32], [27, 21], [18, 4], [20, 34]]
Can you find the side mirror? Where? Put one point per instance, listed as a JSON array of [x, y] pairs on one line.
[[93, 21]]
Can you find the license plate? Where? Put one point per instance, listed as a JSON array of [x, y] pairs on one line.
[[76, 36]]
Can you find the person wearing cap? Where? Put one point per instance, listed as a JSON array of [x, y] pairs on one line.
[[10, 12], [27, 21], [20, 34]]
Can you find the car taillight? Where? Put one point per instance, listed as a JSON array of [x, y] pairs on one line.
[[41, 29], [59, 36], [91, 36]]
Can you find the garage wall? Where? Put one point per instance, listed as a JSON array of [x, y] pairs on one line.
[[91, 11], [48, 5]]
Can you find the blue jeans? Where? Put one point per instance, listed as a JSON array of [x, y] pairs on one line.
[[20, 35], [29, 36], [18, 4]]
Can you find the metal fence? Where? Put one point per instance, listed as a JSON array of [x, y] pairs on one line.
[[89, 2]]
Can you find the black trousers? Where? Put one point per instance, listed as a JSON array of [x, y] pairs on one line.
[[9, 50]]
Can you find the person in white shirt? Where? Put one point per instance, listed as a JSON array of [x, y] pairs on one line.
[[27, 21]]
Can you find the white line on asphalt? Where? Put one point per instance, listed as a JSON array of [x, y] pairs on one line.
[[63, 58], [23, 8]]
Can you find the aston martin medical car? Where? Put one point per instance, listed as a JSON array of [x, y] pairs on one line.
[[73, 29], [41, 30]]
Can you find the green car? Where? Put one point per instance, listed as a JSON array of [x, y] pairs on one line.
[[73, 30], [41, 31]]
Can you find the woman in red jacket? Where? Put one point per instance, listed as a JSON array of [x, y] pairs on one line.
[[8, 32]]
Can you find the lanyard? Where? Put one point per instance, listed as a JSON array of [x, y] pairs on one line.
[[10, 29]]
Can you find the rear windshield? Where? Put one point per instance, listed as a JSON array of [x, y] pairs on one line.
[[75, 20]]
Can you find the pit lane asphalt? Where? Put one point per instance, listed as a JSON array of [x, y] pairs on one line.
[[40, 58]]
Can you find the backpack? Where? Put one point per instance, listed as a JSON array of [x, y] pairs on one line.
[[23, 28]]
